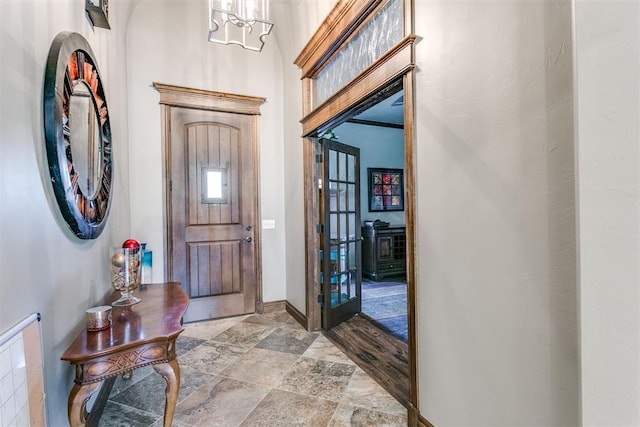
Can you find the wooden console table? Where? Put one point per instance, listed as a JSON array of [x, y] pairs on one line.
[[140, 335]]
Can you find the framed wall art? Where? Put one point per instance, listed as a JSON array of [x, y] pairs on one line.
[[386, 189]]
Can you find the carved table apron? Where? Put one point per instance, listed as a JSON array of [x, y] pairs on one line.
[[140, 335]]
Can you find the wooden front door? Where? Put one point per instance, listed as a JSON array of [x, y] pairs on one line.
[[341, 243], [212, 191]]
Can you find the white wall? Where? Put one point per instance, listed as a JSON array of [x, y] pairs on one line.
[[495, 198], [299, 19], [380, 147], [43, 268], [167, 43], [608, 122]]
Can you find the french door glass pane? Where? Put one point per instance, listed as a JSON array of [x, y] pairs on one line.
[[333, 162], [343, 197], [351, 168], [352, 256], [351, 197], [342, 165], [333, 200], [352, 285], [333, 223], [352, 226], [343, 227]]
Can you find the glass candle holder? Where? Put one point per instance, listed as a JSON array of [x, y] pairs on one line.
[[125, 274]]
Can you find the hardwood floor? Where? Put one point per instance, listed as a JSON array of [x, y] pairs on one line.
[[381, 355]]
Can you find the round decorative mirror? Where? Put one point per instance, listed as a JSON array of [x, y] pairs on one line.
[[77, 135]]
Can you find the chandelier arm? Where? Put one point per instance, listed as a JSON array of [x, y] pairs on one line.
[[222, 19]]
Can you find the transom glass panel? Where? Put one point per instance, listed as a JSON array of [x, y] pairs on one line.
[[373, 40]]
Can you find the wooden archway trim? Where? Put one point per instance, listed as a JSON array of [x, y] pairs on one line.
[[397, 65]]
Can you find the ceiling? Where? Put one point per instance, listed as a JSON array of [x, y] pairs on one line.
[[387, 111]]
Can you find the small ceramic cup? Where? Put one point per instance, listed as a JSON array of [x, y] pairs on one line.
[[98, 318]]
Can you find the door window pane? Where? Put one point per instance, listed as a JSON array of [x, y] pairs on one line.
[[333, 165], [342, 165], [352, 256], [214, 185], [343, 197], [351, 168], [351, 197], [343, 227], [352, 285], [352, 226], [333, 224], [333, 197]]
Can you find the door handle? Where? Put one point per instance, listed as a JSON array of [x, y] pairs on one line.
[[248, 240]]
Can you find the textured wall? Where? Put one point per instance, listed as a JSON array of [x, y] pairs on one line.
[[43, 268], [295, 21], [608, 130], [495, 195], [167, 43]]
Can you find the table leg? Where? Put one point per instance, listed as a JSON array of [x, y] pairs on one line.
[[77, 405], [170, 371]]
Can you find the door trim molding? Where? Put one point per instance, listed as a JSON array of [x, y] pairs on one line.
[[395, 66], [181, 96], [312, 237], [201, 99], [410, 232]]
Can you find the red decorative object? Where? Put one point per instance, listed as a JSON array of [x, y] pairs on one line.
[[131, 244]]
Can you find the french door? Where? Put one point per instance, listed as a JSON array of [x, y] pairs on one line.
[[341, 244]]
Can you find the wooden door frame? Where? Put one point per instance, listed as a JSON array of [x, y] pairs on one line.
[[185, 97], [398, 64]]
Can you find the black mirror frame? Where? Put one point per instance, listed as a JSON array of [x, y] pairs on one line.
[[85, 215]]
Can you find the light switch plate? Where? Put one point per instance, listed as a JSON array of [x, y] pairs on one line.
[[268, 224]]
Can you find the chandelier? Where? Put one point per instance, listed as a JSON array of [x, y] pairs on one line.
[[242, 22]]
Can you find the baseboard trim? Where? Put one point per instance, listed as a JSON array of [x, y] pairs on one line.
[[413, 416], [296, 314], [423, 422], [273, 306]]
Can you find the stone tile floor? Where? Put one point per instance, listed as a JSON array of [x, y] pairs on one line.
[[256, 370]]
